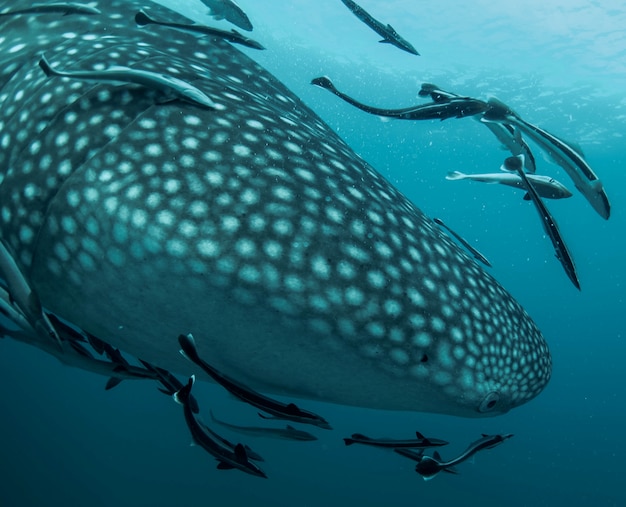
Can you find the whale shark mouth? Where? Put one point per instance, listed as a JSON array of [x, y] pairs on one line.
[[299, 269]]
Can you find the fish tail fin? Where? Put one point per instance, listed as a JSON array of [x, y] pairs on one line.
[[45, 66], [455, 175], [188, 347], [183, 395], [323, 82], [142, 19], [513, 164], [112, 382]]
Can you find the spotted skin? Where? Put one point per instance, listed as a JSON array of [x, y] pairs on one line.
[[297, 267]]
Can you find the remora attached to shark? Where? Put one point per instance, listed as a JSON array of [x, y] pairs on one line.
[[253, 224]]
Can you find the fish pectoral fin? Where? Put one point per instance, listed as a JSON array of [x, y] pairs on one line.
[[166, 98], [112, 382], [224, 466], [385, 41]]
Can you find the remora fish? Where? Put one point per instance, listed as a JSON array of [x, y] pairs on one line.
[[585, 180], [420, 442], [510, 137], [428, 466], [64, 8], [169, 85], [548, 222], [286, 433], [257, 226], [228, 459], [545, 186], [458, 108], [142, 19], [387, 32], [171, 385], [278, 409], [477, 255], [229, 10]]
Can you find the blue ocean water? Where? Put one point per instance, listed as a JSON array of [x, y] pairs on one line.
[[561, 65]]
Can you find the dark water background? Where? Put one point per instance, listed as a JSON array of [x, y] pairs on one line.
[[561, 65]]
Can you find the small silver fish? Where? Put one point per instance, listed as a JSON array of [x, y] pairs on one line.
[[569, 158], [548, 222], [428, 466], [545, 185], [169, 85], [228, 458], [387, 32], [229, 10], [286, 433]]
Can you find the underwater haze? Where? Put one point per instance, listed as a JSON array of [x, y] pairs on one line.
[[562, 66]]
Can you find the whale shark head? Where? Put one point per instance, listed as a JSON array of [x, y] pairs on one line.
[[298, 268]]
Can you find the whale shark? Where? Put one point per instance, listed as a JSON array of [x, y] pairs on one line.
[[299, 269]]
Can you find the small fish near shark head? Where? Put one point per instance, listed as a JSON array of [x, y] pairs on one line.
[[299, 269]]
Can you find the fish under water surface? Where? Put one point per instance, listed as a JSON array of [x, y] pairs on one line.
[[299, 269]]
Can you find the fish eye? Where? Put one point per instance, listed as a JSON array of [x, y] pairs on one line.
[[489, 402]]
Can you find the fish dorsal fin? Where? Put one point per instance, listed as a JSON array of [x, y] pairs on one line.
[[420, 436], [292, 408], [437, 456], [240, 452], [360, 436], [290, 427]]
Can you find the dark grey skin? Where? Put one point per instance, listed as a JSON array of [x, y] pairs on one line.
[[287, 433], [142, 19], [458, 108], [63, 8], [418, 443], [547, 220], [279, 410], [228, 459], [428, 466], [506, 134], [477, 255], [387, 32]]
